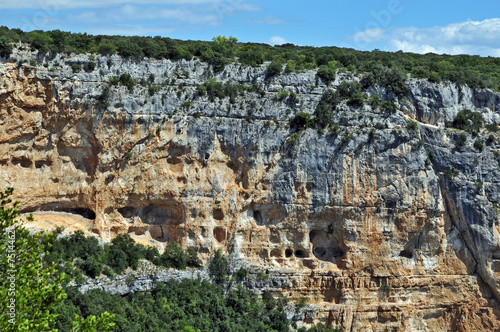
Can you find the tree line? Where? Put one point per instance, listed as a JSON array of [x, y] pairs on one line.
[[475, 71]]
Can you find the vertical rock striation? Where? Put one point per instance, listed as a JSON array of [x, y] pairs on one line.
[[380, 227]]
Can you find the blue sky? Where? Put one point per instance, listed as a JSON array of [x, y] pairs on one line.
[[422, 26]]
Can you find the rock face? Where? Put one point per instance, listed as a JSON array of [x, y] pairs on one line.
[[380, 227]]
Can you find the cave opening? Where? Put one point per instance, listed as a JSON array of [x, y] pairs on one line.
[[325, 245], [258, 218], [299, 253], [84, 212], [406, 253]]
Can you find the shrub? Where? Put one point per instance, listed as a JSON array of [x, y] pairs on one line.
[[461, 139], [76, 68], [128, 81], [113, 80], [352, 92], [282, 95], [241, 274], [294, 138], [290, 66], [430, 155], [492, 127], [324, 110], [469, 121], [262, 276], [102, 100], [385, 287], [89, 66], [301, 121], [174, 256], [326, 73], [389, 106], [412, 125], [273, 68], [479, 144], [375, 101], [293, 98]]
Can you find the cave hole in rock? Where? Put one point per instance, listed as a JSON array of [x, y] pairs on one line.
[[170, 214], [56, 207], [258, 218], [140, 230], [218, 214], [275, 253], [325, 246], [299, 253], [127, 212], [406, 253], [86, 213], [220, 234], [288, 253], [23, 162]]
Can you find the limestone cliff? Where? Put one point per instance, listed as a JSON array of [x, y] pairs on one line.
[[380, 227]]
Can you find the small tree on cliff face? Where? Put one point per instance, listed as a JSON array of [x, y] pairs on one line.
[[218, 267], [29, 288]]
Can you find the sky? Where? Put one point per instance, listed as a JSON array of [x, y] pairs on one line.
[[421, 26]]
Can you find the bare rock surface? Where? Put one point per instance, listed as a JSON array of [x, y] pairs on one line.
[[380, 229]]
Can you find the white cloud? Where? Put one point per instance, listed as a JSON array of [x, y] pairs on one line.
[[470, 37], [369, 35], [277, 40]]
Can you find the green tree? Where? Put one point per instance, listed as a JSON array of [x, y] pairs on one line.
[[27, 286], [42, 42], [30, 289], [219, 267], [301, 121], [93, 323], [274, 68], [326, 73], [5, 46], [469, 121]]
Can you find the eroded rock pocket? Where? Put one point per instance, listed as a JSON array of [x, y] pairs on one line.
[[326, 247]]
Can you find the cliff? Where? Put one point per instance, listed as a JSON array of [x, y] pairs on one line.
[[379, 226]]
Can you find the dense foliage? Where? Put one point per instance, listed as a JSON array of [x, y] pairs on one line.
[[77, 255], [376, 67], [188, 305], [469, 121]]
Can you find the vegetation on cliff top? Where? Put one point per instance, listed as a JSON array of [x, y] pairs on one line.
[[474, 71]]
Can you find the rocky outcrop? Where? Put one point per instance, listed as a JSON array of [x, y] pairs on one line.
[[380, 227]]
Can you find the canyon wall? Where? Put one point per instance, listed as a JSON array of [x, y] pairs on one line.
[[379, 227]]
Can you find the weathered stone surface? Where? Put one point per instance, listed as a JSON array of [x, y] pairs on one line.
[[374, 229]]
